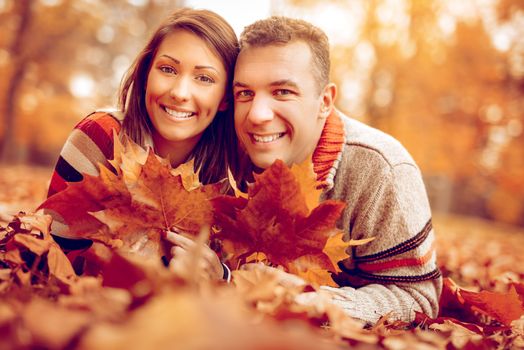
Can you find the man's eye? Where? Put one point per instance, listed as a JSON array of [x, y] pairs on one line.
[[283, 92], [244, 93], [167, 69]]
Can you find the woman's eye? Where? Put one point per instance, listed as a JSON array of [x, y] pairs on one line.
[[205, 79], [167, 69]]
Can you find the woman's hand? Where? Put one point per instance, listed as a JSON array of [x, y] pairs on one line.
[[182, 258]]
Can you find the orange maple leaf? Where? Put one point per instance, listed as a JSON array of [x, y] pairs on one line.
[[463, 304], [275, 220], [504, 307], [92, 194], [133, 208]]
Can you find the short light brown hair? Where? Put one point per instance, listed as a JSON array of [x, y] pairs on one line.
[[279, 30]]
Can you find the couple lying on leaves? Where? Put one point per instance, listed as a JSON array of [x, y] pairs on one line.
[[350, 217]]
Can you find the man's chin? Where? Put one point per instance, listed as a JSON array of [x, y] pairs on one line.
[[263, 162]]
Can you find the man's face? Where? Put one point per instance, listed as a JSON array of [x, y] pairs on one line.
[[278, 107]]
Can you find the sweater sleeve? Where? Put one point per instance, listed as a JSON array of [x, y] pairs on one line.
[[396, 273], [88, 145]]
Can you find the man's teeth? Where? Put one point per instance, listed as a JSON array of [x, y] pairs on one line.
[[177, 114], [267, 138]]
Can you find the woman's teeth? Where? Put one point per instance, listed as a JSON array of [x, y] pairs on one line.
[[267, 138], [179, 115]]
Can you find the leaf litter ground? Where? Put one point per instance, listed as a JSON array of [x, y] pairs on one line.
[[45, 305]]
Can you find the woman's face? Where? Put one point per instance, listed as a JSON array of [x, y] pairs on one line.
[[185, 88]]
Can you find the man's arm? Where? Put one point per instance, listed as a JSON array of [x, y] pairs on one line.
[[396, 273]]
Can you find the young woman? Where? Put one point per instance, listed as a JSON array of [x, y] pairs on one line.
[[176, 98]]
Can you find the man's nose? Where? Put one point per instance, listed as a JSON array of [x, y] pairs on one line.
[[180, 89], [260, 111]]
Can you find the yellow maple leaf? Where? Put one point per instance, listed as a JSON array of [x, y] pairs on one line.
[[336, 249], [307, 179], [233, 184], [189, 177]]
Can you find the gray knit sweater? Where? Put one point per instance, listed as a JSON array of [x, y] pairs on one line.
[[385, 198]]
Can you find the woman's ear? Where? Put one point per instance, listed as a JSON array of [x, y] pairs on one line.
[[328, 95], [224, 104]]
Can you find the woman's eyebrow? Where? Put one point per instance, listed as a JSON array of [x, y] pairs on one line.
[[171, 58], [196, 67], [207, 67]]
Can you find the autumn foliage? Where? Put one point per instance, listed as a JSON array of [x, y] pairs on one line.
[[127, 300], [132, 208], [275, 220]]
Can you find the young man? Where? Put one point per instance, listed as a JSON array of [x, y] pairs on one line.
[[284, 109]]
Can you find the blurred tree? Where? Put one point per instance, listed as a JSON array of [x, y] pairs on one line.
[[60, 59]]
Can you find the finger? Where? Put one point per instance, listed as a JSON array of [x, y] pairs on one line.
[[307, 298], [255, 266], [179, 240], [177, 251]]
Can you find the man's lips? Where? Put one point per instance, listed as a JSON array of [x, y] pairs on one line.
[[266, 138]]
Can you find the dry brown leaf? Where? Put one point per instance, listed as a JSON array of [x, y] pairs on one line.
[[52, 326]]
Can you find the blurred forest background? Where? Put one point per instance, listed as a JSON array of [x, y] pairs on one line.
[[445, 77]]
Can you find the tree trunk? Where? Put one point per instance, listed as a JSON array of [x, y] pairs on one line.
[[10, 148]]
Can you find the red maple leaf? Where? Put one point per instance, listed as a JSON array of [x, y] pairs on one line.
[[275, 220]]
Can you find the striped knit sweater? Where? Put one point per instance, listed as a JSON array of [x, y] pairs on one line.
[[89, 144], [385, 198]]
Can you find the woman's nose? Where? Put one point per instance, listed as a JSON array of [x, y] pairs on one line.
[[180, 89]]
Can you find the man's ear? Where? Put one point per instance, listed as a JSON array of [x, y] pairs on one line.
[[224, 104], [328, 96]]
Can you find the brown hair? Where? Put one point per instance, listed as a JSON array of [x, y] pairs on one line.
[[278, 30], [216, 149]]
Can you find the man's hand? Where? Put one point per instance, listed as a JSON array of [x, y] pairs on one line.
[[325, 293], [182, 249], [284, 278], [335, 296]]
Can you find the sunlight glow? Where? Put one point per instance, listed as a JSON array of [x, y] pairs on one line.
[[51, 3], [5, 5], [105, 34], [120, 65], [82, 85], [502, 40], [29, 103], [447, 24], [138, 3], [238, 13]]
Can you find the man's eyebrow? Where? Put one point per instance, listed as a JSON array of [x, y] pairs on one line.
[[239, 84], [284, 82]]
